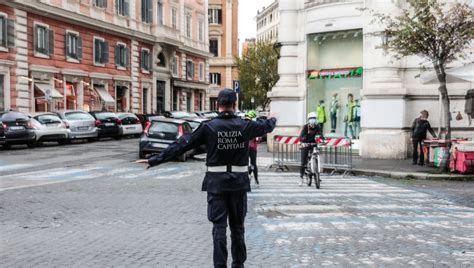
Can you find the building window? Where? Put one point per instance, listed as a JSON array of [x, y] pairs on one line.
[[215, 78], [174, 18], [189, 70], [188, 25], [214, 47], [43, 40], [201, 71], [122, 55], [145, 59], [160, 12], [201, 101], [147, 11], [7, 32], [215, 16], [2, 93], [201, 30], [122, 7], [73, 46], [101, 51], [100, 3], [174, 66]]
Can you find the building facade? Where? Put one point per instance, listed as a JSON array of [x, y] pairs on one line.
[[331, 47], [141, 56], [223, 45], [267, 23]]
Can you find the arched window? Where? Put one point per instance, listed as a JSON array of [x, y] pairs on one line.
[[161, 60]]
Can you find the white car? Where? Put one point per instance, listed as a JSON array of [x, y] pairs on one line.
[[131, 125], [49, 127]]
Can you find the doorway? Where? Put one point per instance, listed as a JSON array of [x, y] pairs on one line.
[[160, 96], [121, 99]]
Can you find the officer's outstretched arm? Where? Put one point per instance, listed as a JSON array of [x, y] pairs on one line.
[[260, 127], [179, 147]]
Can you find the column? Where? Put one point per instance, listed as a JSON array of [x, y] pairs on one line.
[[24, 98], [134, 63]]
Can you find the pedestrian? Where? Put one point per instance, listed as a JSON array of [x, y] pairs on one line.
[[348, 117], [321, 112], [253, 144], [333, 110], [418, 134], [308, 135], [227, 180]]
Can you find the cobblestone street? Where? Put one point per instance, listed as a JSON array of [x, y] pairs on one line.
[[88, 204]]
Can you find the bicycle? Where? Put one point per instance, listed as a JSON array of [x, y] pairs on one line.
[[313, 166]]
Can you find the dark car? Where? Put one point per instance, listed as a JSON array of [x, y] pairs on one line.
[[196, 122], [2, 133], [18, 128], [161, 133], [145, 119], [177, 114], [108, 124]]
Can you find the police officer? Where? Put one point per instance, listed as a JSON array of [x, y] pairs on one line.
[[227, 180]]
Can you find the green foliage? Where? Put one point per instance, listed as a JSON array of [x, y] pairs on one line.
[[258, 73]]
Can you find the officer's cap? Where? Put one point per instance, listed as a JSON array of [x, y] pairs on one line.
[[226, 97]]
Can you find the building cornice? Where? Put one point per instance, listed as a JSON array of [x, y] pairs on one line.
[[190, 84], [43, 68], [6, 62]]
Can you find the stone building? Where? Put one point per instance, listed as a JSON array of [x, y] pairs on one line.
[[331, 47], [141, 56], [267, 23]]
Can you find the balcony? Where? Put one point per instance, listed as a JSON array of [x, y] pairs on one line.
[[313, 3]]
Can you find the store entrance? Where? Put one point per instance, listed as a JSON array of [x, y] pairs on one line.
[[121, 99]]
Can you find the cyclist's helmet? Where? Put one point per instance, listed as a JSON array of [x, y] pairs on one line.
[[312, 118], [251, 114]]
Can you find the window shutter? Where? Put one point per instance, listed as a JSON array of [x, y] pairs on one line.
[[105, 52], [96, 50], [219, 16], [143, 10], [117, 7], [142, 59], [126, 7], [66, 45], [50, 42], [104, 3], [149, 11], [117, 56], [35, 38], [79, 48], [150, 62], [218, 78], [10, 33], [127, 56]]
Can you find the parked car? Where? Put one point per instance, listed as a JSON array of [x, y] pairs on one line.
[[49, 127], [177, 114], [131, 125], [196, 122], [207, 114], [79, 125], [2, 133], [18, 128], [145, 119], [161, 133], [108, 124]]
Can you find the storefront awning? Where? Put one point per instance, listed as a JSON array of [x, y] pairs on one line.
[[47, 89], [104, 95], [458, 74]]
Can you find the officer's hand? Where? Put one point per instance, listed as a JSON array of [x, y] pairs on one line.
[[143, 161]]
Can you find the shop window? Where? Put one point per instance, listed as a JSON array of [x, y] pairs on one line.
[[214, 47], [7, 32], [122, 7], [73, 46], [43, 40], [147, 11], [201, 71], [101, 51], [215, 16], [160, 12], [189, 70], [174, 18], [174, 66], [215, 78], [188, 25], [122, 55], [100, 3], [145, 59], [201, 30]]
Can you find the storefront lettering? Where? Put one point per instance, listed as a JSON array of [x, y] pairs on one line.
[[335, 73]]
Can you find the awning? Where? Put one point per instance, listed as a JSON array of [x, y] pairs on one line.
[[47, 89], [458, 74], [104, 95]]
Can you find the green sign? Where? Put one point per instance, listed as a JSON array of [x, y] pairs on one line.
[[335, 73]]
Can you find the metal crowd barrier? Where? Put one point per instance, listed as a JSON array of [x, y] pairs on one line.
[[336, 153]]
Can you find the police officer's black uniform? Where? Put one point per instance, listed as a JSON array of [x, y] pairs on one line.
[[226, 180]]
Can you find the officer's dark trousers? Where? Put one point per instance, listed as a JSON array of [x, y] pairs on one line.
[[232, 206]]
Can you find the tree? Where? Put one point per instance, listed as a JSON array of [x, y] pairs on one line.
[[435, 31], [258, 73]]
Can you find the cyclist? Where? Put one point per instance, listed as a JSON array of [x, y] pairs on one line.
[[308, 135], [253, 143]]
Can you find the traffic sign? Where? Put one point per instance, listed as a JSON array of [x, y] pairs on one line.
[[47, 95], [236, 86]]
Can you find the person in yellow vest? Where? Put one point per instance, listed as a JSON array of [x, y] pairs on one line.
[[321, 112]]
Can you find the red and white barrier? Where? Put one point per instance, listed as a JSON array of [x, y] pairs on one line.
[[333, 142]]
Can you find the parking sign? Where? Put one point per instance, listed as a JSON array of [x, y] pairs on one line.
[[236, 86]]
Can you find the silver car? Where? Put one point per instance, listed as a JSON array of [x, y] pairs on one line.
[[80, 125], [49, 127], [131, 125]]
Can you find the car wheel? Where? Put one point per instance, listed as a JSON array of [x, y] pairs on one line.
[[138, 135], [141, 155], [118, 137], [63, 142], [31, 144]]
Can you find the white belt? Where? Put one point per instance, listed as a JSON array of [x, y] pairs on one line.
[[224, 169]]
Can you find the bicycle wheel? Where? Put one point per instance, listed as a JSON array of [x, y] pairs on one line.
[[315, 171]]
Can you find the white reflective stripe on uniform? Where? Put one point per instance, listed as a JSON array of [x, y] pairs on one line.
[[224, 169]]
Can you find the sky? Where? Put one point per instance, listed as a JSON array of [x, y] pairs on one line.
[[247, 13]]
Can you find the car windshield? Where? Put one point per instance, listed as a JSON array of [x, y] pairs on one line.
[[105, 115], [78, 116], [13, 116], [163, 127], [48, 119], [122, 116]]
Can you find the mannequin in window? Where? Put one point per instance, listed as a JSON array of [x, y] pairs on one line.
[[333, 111]]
